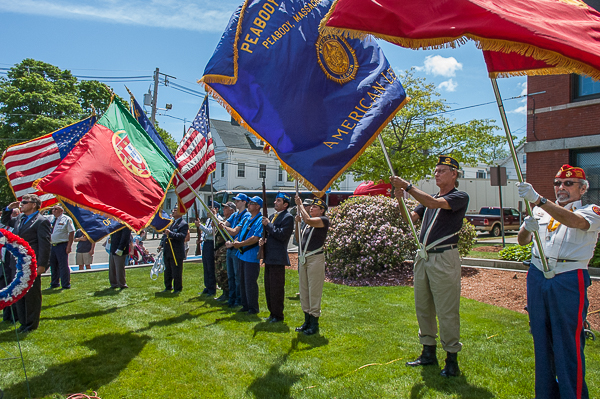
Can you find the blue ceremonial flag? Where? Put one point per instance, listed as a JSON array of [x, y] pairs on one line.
[[317, 100], [141, 117]]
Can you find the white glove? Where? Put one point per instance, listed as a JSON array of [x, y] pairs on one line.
[[531, 224], [527, 192], [119, 252]]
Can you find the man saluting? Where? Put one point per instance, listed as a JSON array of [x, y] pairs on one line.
[[557, 300], [437, 267]]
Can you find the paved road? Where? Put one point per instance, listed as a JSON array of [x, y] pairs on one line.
[[101, 256]]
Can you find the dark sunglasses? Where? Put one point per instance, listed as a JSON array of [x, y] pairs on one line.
[[567, 183], [25, 202]]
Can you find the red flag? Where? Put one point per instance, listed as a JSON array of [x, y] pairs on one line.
[[563, 34], [116, 169], [195, 158], [370, 188]]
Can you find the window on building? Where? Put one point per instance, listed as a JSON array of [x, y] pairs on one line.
[[524, 158], [585, 88], [589, 161], [481, 174], [241, 169], [280, 174], [262, 171], [168, 201], [223, 169]]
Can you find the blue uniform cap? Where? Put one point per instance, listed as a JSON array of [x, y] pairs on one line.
[[241, 197], [256, 199], [285, 197], [214, 204]]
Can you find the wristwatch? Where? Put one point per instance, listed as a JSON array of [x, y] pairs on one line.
[[408, 188], [542, 201]]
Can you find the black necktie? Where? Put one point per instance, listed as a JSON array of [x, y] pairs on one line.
[[23, 219]]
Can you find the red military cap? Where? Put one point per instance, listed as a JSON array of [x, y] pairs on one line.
[[568, 171]]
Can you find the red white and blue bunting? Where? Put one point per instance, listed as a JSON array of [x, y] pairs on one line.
[[26, 268]]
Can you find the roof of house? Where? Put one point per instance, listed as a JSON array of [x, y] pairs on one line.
[[234, 136]]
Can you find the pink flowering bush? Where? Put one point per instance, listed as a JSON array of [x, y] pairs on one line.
[[367, 236]]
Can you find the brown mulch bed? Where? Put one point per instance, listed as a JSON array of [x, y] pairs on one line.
[[495, 287]]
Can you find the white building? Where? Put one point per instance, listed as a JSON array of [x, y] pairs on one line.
[[242, 164], [476, 182]]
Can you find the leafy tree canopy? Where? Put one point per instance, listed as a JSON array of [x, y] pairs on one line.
[[37, 98], [420, 132]]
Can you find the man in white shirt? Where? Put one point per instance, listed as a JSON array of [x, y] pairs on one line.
[[557, 299], [63, 233]]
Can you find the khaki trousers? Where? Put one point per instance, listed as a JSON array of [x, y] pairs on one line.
[[312, 278], [437, 293]]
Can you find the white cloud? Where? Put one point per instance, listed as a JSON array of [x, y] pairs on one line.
[[522, 110], [440, 66], [199, 15], [523, 87], [448, 85]]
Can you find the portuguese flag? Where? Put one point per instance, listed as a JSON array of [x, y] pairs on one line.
[[116, 169]]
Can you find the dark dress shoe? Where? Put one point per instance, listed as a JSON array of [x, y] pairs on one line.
[[427, 357], [177, 292], [252, 311], [306, 323], [24, 329], [451, 368], [243, 310], [275, 320], [166, 290]]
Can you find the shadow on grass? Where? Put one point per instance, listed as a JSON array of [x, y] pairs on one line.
[[107, 292], [172, 320], [113, 353], [458, 387], [274, 384], [236, 316], [312, 341], [46, 307], [265, 326], [80, 316], [51, 291]]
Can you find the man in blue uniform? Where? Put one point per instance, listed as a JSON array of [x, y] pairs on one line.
[[247, 243], [233, 225], [437, 265], [557, 299]]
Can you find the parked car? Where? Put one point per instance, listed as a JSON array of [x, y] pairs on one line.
[[488, 220]]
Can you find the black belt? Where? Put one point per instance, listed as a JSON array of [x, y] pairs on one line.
[[60, 243], [439, 250], [560, 260]]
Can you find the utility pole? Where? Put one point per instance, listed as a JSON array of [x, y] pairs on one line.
[[154, 97]]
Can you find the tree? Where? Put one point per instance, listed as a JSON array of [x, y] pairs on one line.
[[37, 98], [167, 138], [420, 132]]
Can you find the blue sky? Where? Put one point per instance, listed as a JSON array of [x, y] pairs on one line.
[[115, 38]]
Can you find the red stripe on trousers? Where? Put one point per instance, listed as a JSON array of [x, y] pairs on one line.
[[578, 332]]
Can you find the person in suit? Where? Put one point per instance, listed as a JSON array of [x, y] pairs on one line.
[[173, 245], [279, 228], [34, 228], [119, 249], [208, 250]]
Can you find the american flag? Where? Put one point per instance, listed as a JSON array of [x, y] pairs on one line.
[[195, 157], [32, 160]]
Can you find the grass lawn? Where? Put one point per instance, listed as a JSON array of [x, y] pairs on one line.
[[139, 343], [474, 253]]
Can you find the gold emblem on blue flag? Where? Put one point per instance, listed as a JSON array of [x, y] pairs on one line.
[[336, 58]]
